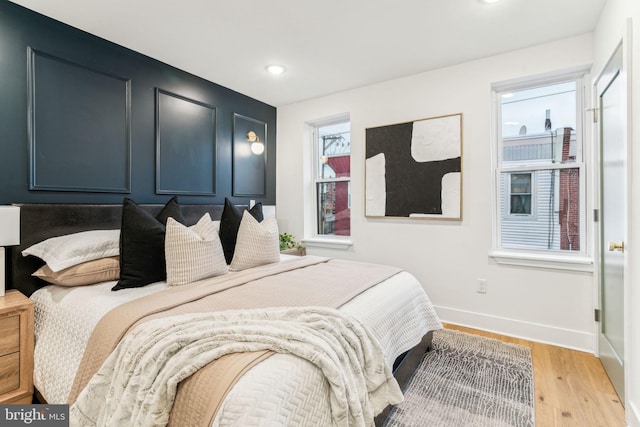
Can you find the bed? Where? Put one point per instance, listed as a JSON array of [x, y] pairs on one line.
[[282, 389]]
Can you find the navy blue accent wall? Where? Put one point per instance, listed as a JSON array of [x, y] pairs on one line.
[[21, 29]]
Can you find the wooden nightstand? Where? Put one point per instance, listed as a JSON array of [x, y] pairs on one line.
[[16, 348]]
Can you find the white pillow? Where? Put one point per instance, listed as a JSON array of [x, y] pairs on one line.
[[72, 249], [193, 253], [258, 243]]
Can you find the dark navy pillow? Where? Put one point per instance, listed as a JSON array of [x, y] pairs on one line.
[[230, 223], [142, 259]]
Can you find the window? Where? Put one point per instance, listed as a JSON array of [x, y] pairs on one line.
[[332, 159], [520, 200], [540, 170]]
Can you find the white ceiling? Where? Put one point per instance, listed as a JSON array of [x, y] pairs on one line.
[[327, 45]]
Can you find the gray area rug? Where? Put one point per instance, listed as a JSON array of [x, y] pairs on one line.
[[468, 380]]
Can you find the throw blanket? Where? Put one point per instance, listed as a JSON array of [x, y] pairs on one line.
[[304, 281], [141, 376]]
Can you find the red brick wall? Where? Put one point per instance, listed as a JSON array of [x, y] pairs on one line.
[[569, 216]]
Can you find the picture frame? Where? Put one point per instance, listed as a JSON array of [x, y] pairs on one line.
[[414, 169]]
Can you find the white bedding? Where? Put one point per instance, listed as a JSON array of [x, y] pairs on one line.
[[282, 390], [142, 374]]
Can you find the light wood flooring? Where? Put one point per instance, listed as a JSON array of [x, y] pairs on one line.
[[571, 387]]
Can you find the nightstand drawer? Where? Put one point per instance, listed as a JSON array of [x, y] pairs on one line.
[[9, 335], [16, 348], [9, 372]]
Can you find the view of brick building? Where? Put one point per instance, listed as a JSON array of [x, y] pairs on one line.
[[569, 215], [341, 165], [547, 213], [334, 186]]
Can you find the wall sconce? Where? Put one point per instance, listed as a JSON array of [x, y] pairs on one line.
[[9, 236], [257, 146]]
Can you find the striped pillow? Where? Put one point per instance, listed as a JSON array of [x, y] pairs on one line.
[[193, 253], [257, 244]]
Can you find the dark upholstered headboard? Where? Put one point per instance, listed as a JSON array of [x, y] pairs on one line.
[[39, 222]]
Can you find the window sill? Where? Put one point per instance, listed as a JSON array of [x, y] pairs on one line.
[[555, 262], [318, 242]]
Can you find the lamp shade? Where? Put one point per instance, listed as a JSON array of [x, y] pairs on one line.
[[9, 225], [257, 147]]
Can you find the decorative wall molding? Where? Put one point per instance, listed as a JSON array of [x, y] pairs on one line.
[[98, 178], [185, 145], [249, 168], [79, 127]]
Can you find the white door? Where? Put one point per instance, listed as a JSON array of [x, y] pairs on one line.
[[611, 91]]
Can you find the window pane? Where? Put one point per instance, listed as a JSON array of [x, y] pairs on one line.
[[334, 213], [333, 161], [521, 183], [558, 146], [538, 125], [334, 150], [521, 204], [538, 111], [553, 219]]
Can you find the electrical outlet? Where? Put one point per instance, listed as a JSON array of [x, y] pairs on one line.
[[482, 286]]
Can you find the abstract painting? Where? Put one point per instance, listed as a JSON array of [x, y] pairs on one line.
[[414, 169]]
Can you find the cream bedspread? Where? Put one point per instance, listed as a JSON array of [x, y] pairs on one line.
[[282, 390], [141, 376]]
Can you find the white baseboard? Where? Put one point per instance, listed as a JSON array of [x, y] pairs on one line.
[[575, 340]]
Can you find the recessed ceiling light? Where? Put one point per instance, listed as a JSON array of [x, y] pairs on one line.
[[489, 1], [275, 69]]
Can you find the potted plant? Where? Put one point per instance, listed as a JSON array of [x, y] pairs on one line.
[[288, 245]]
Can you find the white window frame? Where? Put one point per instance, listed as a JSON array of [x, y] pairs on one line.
[[562, 260], [312, 237]]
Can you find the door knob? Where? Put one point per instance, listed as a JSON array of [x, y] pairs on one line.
[[613, 246]]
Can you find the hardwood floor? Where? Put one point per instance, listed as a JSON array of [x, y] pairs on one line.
[[571, 387]]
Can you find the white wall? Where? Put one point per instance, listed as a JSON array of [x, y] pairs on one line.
[[447, 257], [610, 31]]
